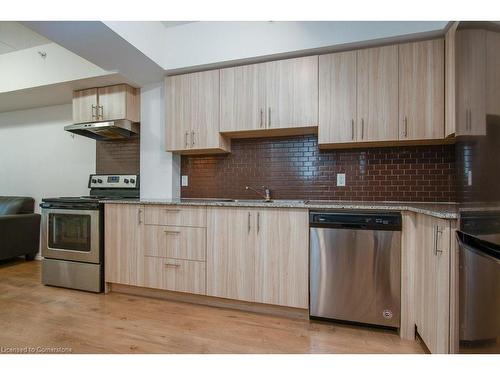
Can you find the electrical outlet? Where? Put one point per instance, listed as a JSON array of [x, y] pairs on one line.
[[340, 179], [184, 180]]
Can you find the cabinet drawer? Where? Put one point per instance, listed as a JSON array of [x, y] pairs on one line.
[[187, 243], [175, 216], [173, 274]]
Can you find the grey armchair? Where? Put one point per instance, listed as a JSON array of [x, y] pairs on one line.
[[19, 228]]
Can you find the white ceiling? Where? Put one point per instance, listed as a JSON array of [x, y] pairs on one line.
[[15, 37], [175, 23]]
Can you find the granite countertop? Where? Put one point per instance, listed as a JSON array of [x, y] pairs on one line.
[[439, 210]]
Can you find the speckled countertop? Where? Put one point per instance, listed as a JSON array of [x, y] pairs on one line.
[[440, 210]]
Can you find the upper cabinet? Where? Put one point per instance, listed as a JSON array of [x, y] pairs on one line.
[[358, 96], [377, 88], [277, 95], [337, 98], [118, 102], [192, 113], [472, 79], [470, 82], [421, 90], [243, 98]]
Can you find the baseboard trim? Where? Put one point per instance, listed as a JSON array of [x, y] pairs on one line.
[[260, 308]]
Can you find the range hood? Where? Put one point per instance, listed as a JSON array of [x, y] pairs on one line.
[[106, 130]]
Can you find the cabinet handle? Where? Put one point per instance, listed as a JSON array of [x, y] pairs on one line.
[[467, 119], [406, 126], [258, 222], [172, 209], [352, 129], [269, 117], [171, 231], [172, 265], [139, 216], [249, 222], [102, 112], [438, 232], [362, 128], [186, 139], [470, 119], [192, 138], [94, 115], [261, 117]]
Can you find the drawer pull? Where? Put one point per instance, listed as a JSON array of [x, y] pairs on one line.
[[171, 232], [172, 209], [175, 265]]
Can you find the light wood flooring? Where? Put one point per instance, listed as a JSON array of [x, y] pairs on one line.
[[41, 316]]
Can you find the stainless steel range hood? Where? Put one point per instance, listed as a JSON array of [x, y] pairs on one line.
[[106, 130]]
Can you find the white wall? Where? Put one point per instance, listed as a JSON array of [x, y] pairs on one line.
[[159, 169], [204, 43], [39, 159], [26, 68]]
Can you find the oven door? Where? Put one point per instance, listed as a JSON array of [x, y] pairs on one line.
[[71, 234]]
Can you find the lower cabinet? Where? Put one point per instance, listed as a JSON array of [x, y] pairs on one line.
[[258, 255], [123, 257], [247, 254], [174, 274], [432, 281]]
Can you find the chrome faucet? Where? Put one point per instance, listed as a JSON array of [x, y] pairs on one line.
[[266, 195]]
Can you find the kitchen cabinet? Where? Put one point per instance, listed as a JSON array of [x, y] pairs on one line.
[[421, 90], [358, 97], [470, 82], [282, 257], [118, 102], [174, 274], [432, 281], [450, 80], [85, 106], [243, 98], [258, 255], [231, 253], [377, 94], [192, 114], [123, 243], [493, 72], [337, 98], [174, 242], [292, 93], [277, 95]]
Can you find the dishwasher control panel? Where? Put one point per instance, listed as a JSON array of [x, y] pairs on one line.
[[356, 220]]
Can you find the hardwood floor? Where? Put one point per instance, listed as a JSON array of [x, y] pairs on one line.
[[34, 315]]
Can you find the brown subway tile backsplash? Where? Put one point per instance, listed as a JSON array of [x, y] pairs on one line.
[[118, 156], [294, 168]]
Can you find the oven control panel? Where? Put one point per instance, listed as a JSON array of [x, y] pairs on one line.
[[110, 181]]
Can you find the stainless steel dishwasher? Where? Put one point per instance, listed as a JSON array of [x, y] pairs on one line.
[[355, 267]]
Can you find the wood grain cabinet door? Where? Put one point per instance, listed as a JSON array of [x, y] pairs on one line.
[[421, 90], [243, 98], [123, 243], [337, 98], [231, 253], [192, 119], [471, 82], [85, 106], [292, 93], [178, 112], [433, 282], [281, 261], [112, 102], [377, 82]]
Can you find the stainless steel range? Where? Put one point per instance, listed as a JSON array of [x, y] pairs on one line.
[[73, 233]]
